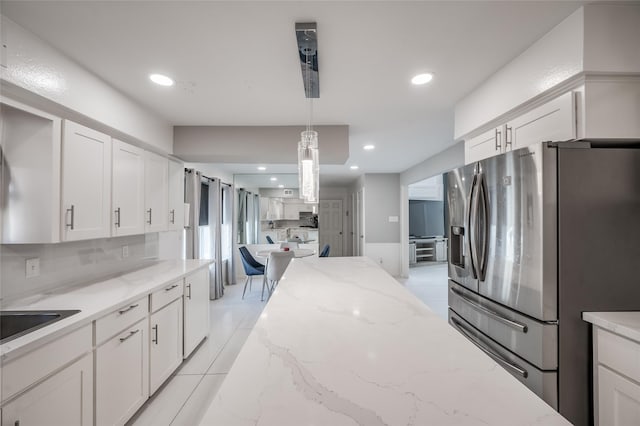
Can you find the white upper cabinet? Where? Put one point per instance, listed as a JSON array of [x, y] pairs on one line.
[[156, 182], [485, 145], [86, 183], [176, 195], [128, 189], [553, 121]]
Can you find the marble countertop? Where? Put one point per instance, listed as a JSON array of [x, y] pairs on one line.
[[626, 324], [93, 301], [343, 343]]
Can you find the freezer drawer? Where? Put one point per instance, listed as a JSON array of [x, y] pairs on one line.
[[535, 341], [542, 383]]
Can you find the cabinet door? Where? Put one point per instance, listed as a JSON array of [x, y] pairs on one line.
[[128, 189], [553, 121], [196, 309], [176, 195], [618, 399], [86, 183], [156, 192], [122, 375], [165, 349], [292, 211], [64, 399], [483, 146]]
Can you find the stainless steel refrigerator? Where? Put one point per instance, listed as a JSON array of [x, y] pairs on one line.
[[538, 236]]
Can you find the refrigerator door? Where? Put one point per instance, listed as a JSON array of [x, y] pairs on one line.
[[458, 186], [518, 254]]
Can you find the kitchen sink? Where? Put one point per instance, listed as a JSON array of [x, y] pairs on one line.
[[14, 324]]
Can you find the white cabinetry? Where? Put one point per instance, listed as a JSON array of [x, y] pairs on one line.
[[196, 309], [176, 195], [552, 121], [165, 351], [86, 183], [616, 367], [127, 189], [156, 181], [65, 398]]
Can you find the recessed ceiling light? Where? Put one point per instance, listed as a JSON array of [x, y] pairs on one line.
[[369, 147], [273, 178], [354, 167], [262, 168], [280, 186], [422, 78], [160, 79]]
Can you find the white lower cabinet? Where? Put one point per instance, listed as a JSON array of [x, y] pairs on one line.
[[122, 375], [196, 309], [618, 399], [165, 349], [64, 399]]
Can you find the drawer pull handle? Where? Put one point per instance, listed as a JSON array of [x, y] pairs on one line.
[[171, 288], [155, 338], [131, 333], [124, 311], [496, 316]]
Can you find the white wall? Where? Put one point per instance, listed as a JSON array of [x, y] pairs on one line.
[[444, 161], [37, 73]]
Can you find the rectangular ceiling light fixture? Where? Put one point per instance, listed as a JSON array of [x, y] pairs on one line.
[[306, 35]]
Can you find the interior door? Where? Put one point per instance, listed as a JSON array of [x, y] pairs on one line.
[[330, 226], [359, 214]]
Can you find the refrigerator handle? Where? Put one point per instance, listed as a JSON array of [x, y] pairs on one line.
[[483, 201], [472, 226]]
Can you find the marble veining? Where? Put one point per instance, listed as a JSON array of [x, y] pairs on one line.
[[626, 324], [342, 343], [93, 300]]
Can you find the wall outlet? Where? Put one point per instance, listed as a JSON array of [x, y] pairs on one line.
[[32, 267], [393, 218], [125, 251]]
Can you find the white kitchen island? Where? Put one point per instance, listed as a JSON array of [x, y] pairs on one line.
[[342, 343]]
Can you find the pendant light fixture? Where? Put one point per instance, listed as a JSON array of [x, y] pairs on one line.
[[308, 155]]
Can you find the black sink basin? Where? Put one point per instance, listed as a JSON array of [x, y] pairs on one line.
[[14, 324]]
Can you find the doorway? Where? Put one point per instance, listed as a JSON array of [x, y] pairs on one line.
[[330, 226]]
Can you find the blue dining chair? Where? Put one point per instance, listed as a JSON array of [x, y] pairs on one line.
[[251, 268], [269, 239], [325, 251]]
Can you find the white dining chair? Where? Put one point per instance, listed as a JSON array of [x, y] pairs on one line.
[[277, 264]]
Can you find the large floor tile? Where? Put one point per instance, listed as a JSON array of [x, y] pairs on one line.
[[194, 409], [429, 284], [224, 361], [167, 402]]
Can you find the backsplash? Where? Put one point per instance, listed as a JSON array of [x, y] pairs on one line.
[[70, 264]]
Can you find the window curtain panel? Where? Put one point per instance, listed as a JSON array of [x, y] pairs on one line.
[[256, 219], [242, 216], [192, 197], [227, 231], [216, 286]]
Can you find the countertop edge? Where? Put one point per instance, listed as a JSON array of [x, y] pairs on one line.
[[623, 323]]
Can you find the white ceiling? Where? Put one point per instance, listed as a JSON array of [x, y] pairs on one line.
[[236, 62]]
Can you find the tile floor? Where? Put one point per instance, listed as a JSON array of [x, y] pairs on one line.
[[184, 398]]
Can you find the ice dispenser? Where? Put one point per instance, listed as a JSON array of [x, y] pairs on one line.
[[456, 244]]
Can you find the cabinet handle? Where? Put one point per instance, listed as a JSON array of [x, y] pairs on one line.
[[149, 221], [117, 217], [171, 288], [131, 333], [508, 137], [72, 214], [124, 311], [498, 137], [189, 293], [173, 216], [155, 329]]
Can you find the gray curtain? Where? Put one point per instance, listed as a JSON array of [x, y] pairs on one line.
[[215, 224], [227, 210], [242, 216], [192, 197]]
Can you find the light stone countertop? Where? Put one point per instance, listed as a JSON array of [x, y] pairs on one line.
[[94, 301], [343, 343], [625, 324]]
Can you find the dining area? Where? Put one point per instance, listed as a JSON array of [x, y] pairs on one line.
[[270, 261]]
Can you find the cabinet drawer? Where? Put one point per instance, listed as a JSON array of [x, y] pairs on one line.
[[618, 353], [166, 295], [120, 319], [43, 361]]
